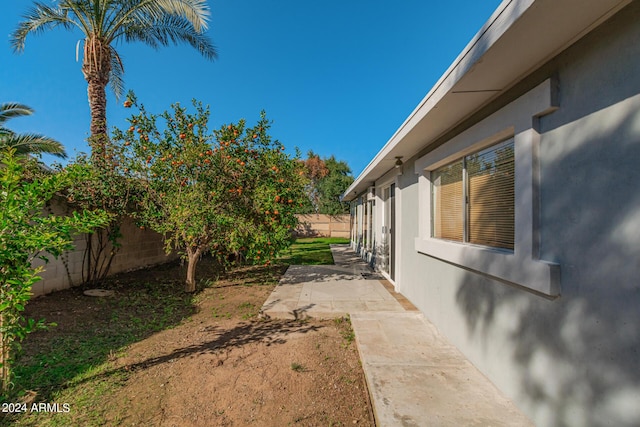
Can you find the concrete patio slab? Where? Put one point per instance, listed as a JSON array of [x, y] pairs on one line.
[[329, 291], [416, 378], [414, 375], [322, 299]]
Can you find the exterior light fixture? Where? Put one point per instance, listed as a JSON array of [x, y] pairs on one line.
[[398, 161]]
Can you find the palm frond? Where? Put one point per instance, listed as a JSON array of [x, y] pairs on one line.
[[81, 16], [31, 143], [116, 80], [139, 32], [10, 110], [172, 30], [144, 13], [195, 11], [37, 20]]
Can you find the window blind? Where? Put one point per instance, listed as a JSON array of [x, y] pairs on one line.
[[476, 193], [491, 192], [448, 198]]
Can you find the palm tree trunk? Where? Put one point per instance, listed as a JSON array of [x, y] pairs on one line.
[[96, 68], [98, 104]]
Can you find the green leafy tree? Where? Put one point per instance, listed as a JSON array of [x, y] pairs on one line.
[[25, 143], [26, 233], [107, 22], [332, 186], [227, 192], [329, 178]]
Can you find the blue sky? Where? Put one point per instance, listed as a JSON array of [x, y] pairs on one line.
[[337, 76]]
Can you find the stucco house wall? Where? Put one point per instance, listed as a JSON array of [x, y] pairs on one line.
[[566, 356]]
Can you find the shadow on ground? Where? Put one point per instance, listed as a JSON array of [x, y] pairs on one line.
[[267, 332]]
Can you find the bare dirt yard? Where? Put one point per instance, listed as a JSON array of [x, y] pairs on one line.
[[151, 355]]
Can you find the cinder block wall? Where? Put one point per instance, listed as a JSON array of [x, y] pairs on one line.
[[317, 225], [140, 248]]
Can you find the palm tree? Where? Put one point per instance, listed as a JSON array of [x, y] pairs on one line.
[[104, 22], [26, 143]]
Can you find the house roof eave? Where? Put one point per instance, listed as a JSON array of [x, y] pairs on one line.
[[519, 37]]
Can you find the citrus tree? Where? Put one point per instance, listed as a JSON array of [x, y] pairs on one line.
[[105, 188], [229, 192], [26, 233]]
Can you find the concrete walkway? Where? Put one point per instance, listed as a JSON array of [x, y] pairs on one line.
[[414, 375]]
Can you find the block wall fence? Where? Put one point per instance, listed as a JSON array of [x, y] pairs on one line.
[[316, 225], [140, 248], [143, 248]]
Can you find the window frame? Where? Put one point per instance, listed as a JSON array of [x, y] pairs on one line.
[[522, 266], [466, 198]]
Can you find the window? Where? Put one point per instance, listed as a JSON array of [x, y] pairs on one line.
[[473, 198], [481, 188]]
